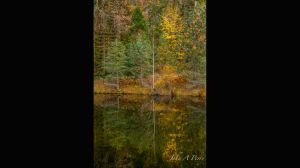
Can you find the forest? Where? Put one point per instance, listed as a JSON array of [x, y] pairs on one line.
[[151, 47]]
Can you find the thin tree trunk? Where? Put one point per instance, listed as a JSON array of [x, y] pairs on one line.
[[118, 86], [153, 59], [118, 100], [104, 52], [141, 76]]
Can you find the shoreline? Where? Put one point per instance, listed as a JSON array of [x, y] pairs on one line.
[[122, 93], [201, 94], [137, 89]]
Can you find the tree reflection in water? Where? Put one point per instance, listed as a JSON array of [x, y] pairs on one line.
[[142, 131]]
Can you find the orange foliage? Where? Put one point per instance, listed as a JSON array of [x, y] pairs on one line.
[[168, 77]]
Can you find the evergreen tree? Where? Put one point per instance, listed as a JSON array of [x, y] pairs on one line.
[[138, 22], [139, 53], [139, 58], [115, 61], [138, 25]]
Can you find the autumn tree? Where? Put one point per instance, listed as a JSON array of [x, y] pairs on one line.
[[171, 48], [195, 40]]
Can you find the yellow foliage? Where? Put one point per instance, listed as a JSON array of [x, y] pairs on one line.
[[171, 23], [169, 75], [170, 150], [172, 28], [166, 80]]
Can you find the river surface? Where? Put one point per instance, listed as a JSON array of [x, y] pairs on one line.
[[133, 131]]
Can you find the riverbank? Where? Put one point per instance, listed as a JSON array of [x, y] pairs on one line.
[[134, 88]]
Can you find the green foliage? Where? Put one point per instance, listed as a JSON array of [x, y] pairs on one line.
[[138, 26], [138, 21], [98, 59], [139, 60], [115, 60]]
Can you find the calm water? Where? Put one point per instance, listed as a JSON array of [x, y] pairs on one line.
[[140, 131]]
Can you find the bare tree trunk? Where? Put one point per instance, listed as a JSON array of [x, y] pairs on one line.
[[153, 59], [118, 85], [118, 101], [141, 76], [104, 52]]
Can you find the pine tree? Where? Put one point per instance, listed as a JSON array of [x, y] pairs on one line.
[[138, 22], [140, 57], [138, 25], [139, 54], [115, 61]]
